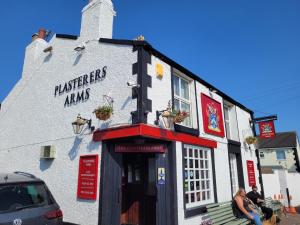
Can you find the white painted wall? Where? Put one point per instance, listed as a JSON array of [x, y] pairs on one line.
[[33, 117], [161, 91], [248, 152], [272, 186]]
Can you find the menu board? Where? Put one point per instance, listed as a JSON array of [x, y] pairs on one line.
[[88, 177], [251, 173]]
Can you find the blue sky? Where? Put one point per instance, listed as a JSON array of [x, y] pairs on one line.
[[248, 49]]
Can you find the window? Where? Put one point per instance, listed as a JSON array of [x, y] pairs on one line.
[[182, 97], [261, 154], [16, 196], [227, 124], [197, 176], [234, 173], [280, 154]]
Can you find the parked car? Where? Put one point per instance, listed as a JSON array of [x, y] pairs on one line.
[[26, 200]]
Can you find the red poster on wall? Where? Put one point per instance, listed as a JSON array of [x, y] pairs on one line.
[[88, 177], [251, 173], [267, 129], [212, 116]]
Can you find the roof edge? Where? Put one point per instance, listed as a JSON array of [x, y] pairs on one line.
[[148, 47]]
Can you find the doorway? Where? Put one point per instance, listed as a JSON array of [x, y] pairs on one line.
[[139, 192]]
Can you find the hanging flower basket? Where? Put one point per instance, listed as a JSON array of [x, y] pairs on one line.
[[103, 112], [251, 140], [180, 116]]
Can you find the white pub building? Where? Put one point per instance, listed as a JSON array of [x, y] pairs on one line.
[[166, 145]]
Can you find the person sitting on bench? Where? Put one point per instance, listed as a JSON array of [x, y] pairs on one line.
[[242, 208], [258, 200]]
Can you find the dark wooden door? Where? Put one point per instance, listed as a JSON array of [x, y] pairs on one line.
[[138, 190]]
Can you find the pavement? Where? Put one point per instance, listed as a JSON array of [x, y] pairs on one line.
[[290, 219]]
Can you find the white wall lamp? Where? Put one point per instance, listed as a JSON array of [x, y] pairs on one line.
[[79, 123], [79, 48]]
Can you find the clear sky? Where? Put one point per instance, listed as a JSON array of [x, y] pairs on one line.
[[248, 49]]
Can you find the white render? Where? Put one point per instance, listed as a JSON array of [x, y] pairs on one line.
[[97, 20], [33, 117]]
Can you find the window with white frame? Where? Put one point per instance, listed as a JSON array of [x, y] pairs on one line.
[[227, 121], [182, 98], [198, 182], [262, 154]]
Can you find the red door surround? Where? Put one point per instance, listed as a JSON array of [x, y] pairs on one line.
[[143, 130]]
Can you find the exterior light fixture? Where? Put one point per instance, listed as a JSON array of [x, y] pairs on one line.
[[48, 49], [213, 90], [79, 123], [79, 48]]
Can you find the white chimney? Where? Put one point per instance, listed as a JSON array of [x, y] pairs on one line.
[[97, 20], [33, 51]]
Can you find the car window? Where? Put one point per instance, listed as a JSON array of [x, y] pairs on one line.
[[17, 196]]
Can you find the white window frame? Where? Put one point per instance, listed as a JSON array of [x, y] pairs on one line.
[[206, 171], [227, 109], [234, 173], [182, 99]]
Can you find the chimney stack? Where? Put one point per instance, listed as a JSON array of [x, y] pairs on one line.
[[97, 20]]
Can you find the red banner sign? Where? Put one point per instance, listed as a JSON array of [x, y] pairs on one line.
[[267, 129], [88, 177], [251, 173], [157, 148], [212, 116]]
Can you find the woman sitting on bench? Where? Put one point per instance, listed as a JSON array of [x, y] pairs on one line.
[[242, 208]]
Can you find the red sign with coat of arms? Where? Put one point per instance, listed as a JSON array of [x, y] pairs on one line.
[[267, 129], [212, 116]]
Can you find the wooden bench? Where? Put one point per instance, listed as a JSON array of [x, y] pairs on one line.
[[221, 214], [276, 206]]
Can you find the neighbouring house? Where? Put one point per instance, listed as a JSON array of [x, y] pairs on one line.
[[166, 143], [279, 159]]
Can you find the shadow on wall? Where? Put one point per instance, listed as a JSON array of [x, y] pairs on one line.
[[45, 164], [48, 57], [93, 146], [78, 57], [74, 150]]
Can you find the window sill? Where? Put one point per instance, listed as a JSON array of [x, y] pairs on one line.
[[187, 130], [195, 211]]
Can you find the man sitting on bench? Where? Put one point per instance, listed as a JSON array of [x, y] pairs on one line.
[[258, 200]]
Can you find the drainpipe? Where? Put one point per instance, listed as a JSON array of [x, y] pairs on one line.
[[258, 161]]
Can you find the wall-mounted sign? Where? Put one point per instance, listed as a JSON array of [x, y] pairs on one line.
[[251, 173], [81, 82], [161, 175], [267, 129], [144, 148], [212, 116], [88, 177]]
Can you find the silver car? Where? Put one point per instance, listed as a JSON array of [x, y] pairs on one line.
[[26, 200]]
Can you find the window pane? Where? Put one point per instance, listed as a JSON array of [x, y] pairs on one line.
[[280, 154], [176, 85], [14, 196], [176, 104], [184, 89]]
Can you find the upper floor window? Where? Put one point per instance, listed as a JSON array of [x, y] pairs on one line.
[[280, 154], [230, 121], [227, 122], [182, 98]]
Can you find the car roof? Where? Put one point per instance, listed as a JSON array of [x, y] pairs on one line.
[[17, 177]]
